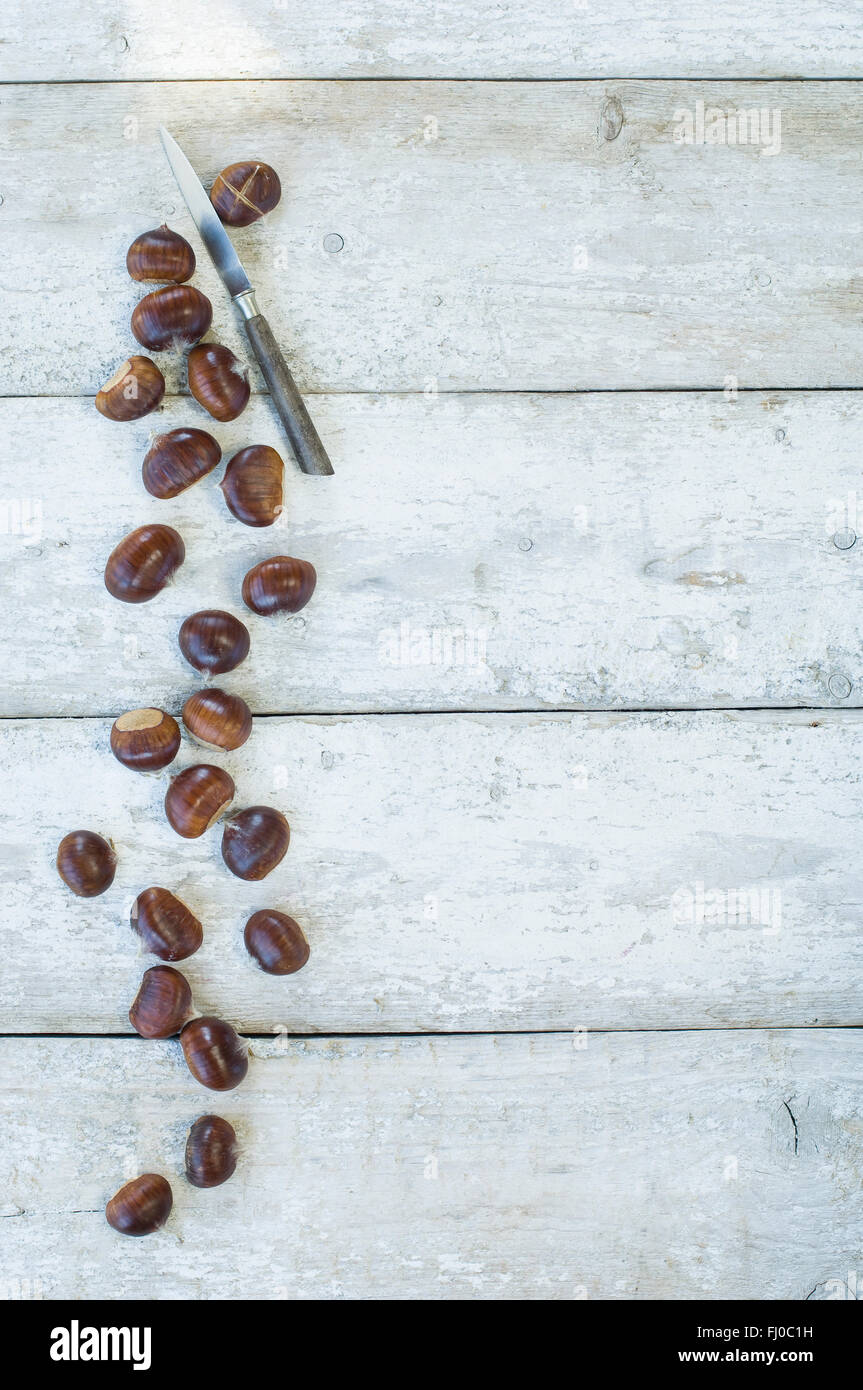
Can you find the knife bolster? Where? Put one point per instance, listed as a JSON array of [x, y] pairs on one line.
[[247, 304]]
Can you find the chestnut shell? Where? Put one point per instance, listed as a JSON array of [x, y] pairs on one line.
[[163, 1003], [254, 841], [177, 315], [197, 797], [165, 925], [141, 565], [279, 585], [177, 460], [160, 255], [214, 641], [86, 863], [141, 1206], [217, 719], [218, 381], [211, 1151], [276, 942], [134, 390], [145, 739], [215, 1054], [252, 485], [243, 192]]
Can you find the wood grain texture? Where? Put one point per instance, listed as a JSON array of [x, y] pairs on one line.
[[599, 551], [448, 1168], [92, 39], [498, 872], [496, 235]]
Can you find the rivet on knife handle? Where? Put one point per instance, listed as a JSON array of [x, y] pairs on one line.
[[304, 439]]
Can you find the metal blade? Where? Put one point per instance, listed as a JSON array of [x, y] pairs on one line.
[[213, 234]]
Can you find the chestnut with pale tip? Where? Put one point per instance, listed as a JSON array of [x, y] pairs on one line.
[[135, 389], [279, 585], [142, 1206], [160, 255], [173, 317], [276, 942], [216, 719], [145, 740], [245, 191], [254, 841], [163, 1003], [177, 460], [215, 1054], [142, 564], [198, 797], [218, 381], [86, 863], [211, 1151], [165, 925], [252, 485], [214, 641]]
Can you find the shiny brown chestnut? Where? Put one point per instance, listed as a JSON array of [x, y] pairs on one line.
[[178, 459], [214, 641], [217, 719], [215, 1054], [276, 942], [160, 255], [175, 316], [197, 797], [254, 841], [163, 1003], [218, 381], [134, 390], [211, 1151], [145, 739], [141, 565], [252, 485], [165, 925], [279, 585], [142, 1206], [86, 863], [244, 192]]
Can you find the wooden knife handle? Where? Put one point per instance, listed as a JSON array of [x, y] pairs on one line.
[[305, 442]]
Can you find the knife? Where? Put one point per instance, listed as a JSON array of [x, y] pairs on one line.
[[308, 449]]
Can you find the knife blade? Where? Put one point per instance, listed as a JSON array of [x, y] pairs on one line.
[[302, 435]]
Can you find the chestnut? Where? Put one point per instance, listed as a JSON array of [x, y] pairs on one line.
[[254, 841], [197, 797], [218, 381], [244, 192], [279, 585], [178, 459], [163, 1003], [160, 255], [145, 739], [276, 941], [214, 641], [175, 316], [216, 719], [211, 1151], [215, 1054], [86, 863], [165, 925], [252, 485], [134, 390], [142, 1206], [141, 565]]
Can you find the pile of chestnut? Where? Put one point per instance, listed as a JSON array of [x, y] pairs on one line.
[[254, 839]]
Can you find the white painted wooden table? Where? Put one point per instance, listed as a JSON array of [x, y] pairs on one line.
[[569, 737]]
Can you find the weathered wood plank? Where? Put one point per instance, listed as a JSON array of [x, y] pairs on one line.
[[598, 550], [496, 235], [92, 39], [496, 872], [507, 1167]]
